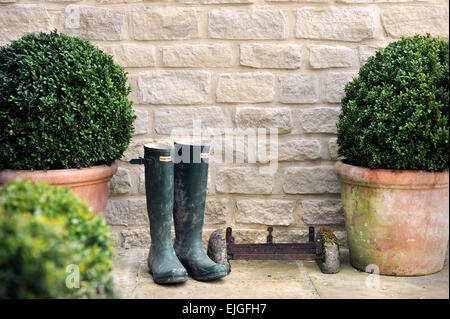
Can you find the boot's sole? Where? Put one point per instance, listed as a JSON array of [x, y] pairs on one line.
[[210, 277], [168, 279]]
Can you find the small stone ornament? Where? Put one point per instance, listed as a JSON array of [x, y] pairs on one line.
[[330, 263]]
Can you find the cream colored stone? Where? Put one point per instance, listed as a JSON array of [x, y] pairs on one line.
[[135, 237], [316, 120], [281, 235], [255, 22], [333, 148], [111, 1], [310, 180], [299, 88], [132, 81], [164, 23], [366, 51], [173, 87], [197, 55], [215, 1], [120, 183], [410, 20], [210, 190], [179, 120], [216, 211], [17, 20], [131, 55], [245, 87], [299, 150], [265, 211], [254, 117], [141, 186], [126, 212], [325, 56], [141, 124], [335, 23], [274, 56], [244, 180], [94, 23], [335, 84], [322, 212], [249, 236], [134, 150]]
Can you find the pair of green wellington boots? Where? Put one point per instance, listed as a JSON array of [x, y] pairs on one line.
[[175, 182]]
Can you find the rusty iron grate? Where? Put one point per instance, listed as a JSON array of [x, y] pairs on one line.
[[312, 250]]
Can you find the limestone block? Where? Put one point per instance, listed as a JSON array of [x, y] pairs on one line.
[[216, 211], [17, 20], [274, 56], [334, 86], [310, 180], [127, 212], [322, 212], [299, 150], [245, 87], [244, 180], [164, 23], [299, 88], [131, 55], [407, 21], [197, 55], [254, 117], [255, 22], [94, 23], [325, 56], [316, 120], [335, 23], [173, 87], [333, 148], [180, 120], [265, 211], [120, 183], [135, 237]]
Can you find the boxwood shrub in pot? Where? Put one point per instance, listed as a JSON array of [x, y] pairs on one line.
[[65, 116], [51, 245], [393, 138]]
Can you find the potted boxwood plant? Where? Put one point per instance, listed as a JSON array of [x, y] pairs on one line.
[[65, 116], [393, 137], [51, 245]]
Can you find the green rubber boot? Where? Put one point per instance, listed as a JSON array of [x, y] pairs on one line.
[[162, 261], [190, 180]]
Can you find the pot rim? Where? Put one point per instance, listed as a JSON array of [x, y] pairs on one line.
[[388, 178], [60, 177]]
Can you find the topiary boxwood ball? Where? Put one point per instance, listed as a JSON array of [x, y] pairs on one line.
[[63, 104], [395, 113]]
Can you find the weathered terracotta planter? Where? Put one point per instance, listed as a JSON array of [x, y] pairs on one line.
[[397, 220], [90, 184]]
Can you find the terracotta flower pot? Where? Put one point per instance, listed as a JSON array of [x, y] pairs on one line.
[[396, 220], [90, 184]]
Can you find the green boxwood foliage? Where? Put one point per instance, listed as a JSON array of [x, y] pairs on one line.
[[43, 230], [63, 104], [395, 113]]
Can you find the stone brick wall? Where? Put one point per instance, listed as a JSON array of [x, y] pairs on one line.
[[236, 64]]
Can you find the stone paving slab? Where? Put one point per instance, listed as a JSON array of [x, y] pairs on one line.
[[276, 280], [247, 280], [350, 283]]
